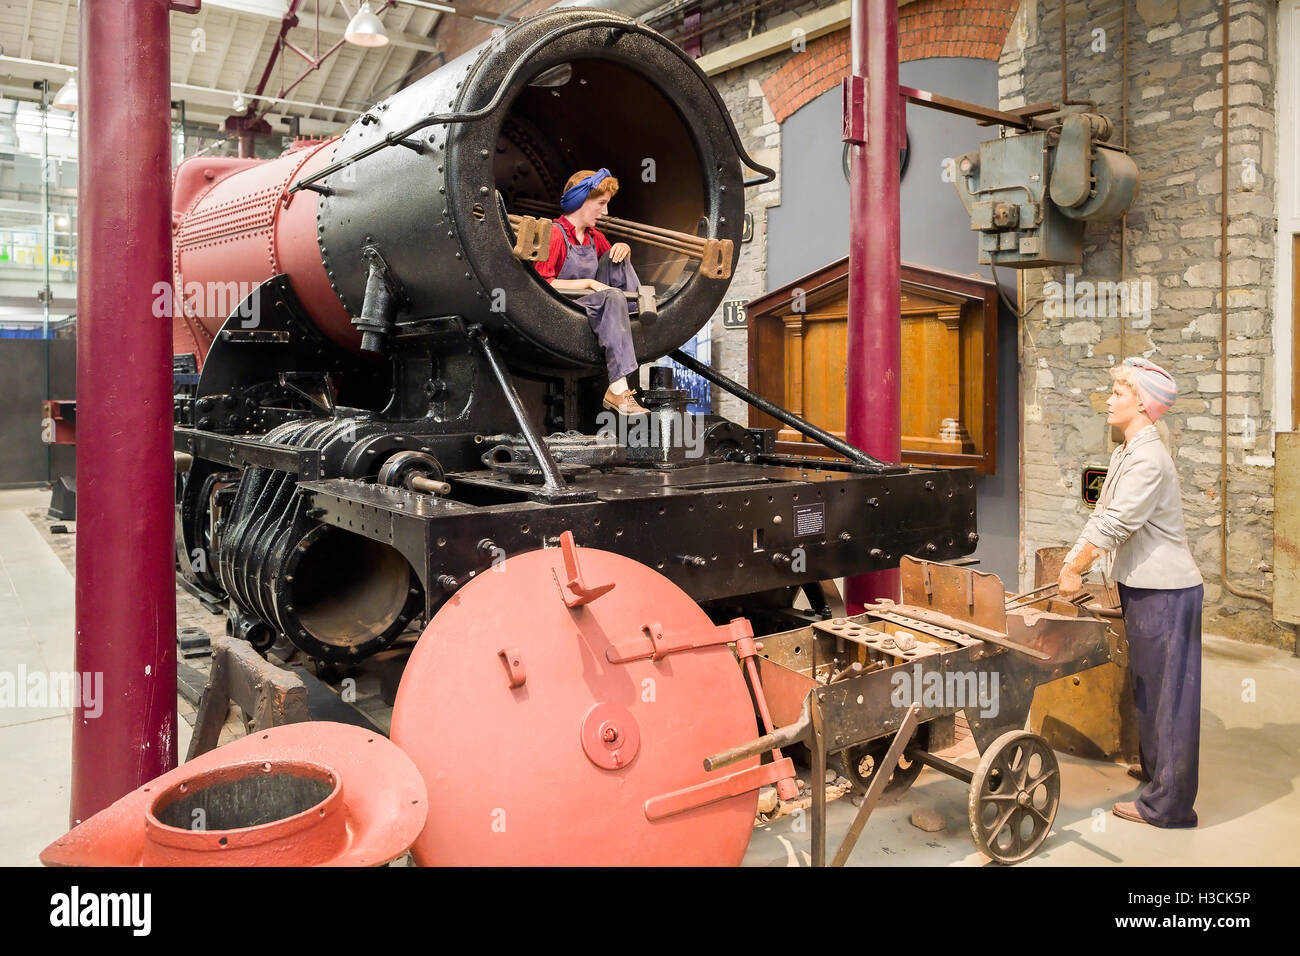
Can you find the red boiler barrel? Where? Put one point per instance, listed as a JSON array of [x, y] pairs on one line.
[[234, 225]]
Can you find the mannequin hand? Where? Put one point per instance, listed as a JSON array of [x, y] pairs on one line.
[[1070, 583], [596, 286], [619, 251]]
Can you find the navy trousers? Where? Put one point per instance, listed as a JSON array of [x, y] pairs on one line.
[[607, 312], [1164, 642]]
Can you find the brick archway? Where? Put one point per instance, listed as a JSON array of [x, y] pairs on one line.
[[926, 28]]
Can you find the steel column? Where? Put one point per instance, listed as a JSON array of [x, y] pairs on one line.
[[872, 395], [126, 602]]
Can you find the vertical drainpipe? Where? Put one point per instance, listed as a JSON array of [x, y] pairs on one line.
[[126, 597], [872, 394], [46, 294]]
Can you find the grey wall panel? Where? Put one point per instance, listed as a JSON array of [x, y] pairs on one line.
[[24, 458], [811, 228]]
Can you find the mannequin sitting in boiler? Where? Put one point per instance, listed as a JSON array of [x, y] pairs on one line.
[[581, 259]]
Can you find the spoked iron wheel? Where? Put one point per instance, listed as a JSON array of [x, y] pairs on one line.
[[859, 765], [1014, 796]]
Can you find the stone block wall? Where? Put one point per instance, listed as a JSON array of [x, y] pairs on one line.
[[1174, 116]]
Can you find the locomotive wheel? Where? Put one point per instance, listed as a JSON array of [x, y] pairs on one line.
[[858, 764], [1014, 796], [553, 735]]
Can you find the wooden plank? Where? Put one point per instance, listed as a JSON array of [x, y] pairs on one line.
[[1286, 528], [1295, 331]]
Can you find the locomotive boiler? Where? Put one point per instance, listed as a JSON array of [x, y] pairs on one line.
[[379, 400]]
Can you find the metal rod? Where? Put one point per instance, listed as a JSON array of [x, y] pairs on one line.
[[818, 782], [552, 480], [781, 737], [946, 104], [1025, 594], [780, 414], [623, 233], [46, 292], [1018, 600], [938, 763], [287, 22], [1030, 603], [427, 486], [270, 99], [879, 781], [609, 223], [1065, 70], [125, 583], [872, 393]]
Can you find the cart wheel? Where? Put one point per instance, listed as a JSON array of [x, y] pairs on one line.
[[1014, 796], [858, 764]]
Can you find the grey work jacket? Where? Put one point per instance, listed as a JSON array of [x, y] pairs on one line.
[[1139, 518]]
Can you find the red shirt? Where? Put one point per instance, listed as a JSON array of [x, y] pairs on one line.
[[550, 269]]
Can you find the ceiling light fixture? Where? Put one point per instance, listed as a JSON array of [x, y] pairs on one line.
[[366, 29], [66, 98]]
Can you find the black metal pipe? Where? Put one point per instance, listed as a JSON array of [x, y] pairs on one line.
[[552, 480], [779, 413]]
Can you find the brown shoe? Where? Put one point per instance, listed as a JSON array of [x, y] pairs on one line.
[[1128, 811], [1135, 771], [624, 404]]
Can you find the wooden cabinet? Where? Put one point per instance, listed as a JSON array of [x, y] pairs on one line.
[[798, 343]]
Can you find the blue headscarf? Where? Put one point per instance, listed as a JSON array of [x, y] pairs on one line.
[[576, 195]]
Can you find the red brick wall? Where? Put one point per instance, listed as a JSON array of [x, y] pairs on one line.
[[458, 34], [926, 28]]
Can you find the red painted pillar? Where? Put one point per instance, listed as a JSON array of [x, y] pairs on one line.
[[875, 332], [126, 592]]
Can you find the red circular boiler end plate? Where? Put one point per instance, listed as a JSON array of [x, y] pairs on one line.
[[526, 774]]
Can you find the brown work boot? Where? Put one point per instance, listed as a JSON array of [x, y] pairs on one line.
[[624, 404]]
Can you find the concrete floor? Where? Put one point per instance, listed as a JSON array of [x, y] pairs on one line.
[[1250, 756]]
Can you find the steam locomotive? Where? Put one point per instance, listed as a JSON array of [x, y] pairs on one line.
[[384, 399]]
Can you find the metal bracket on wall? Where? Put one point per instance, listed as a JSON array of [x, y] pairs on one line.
[[855, 109]]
